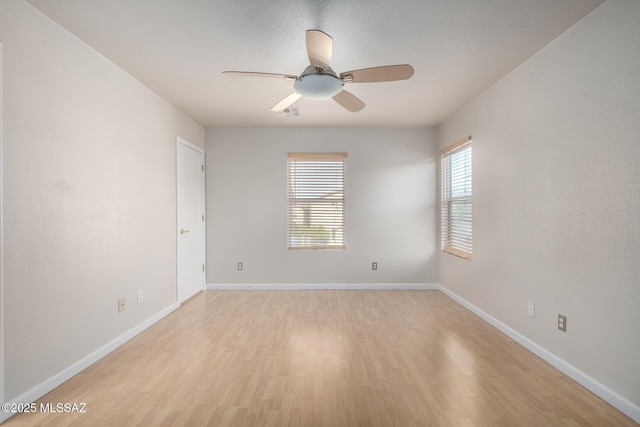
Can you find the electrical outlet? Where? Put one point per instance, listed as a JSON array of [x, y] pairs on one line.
[[121, 305], [562, 322], [239, 266], [531, 309], [140, 297], [374, 265]]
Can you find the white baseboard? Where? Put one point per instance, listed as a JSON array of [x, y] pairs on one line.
[[46, 386], [624, 405], [288, 286]]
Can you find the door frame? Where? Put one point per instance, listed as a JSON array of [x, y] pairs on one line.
[[200, 150], [3, 416]]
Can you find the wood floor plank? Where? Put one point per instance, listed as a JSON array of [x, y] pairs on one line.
[[323, 358]]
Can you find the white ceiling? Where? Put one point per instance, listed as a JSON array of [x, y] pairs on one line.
[[179, 48]]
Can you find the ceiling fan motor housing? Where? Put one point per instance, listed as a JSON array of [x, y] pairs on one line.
[[318, 83]]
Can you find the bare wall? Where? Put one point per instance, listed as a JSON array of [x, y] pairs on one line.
[[557, 197], [390, 206], [89, 198]]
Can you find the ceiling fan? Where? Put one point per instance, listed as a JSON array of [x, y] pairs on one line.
[[319, 81]]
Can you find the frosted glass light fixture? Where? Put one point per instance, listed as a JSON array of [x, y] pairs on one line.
[[316, 84]]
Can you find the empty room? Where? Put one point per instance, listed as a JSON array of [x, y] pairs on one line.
[[320, 213]]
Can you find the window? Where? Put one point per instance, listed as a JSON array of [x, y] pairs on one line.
[[455, 196], [316, 200]]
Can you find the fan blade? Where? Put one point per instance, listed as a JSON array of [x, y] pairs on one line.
[[388, 73], [286, 101], [349, 101], [252, 74], [319, 48]]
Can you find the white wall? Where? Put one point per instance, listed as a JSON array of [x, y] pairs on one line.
[[556, 151], [89, 198], [390, 206]]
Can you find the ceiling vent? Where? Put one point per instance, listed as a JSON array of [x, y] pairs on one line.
[[289, 112]]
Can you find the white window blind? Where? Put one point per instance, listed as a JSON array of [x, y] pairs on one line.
[[456, 199], [316, 200]]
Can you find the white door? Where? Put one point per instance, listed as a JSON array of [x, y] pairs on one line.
[[190, 227]]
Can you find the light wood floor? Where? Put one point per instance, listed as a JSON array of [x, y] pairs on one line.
[[324, 358]]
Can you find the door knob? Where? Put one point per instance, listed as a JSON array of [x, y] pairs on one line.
[[183, 231]]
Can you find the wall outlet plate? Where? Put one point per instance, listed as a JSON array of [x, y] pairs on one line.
[[239, 266], [562, 322], [140, 297], [121, 305], [531, 309], [374, 265]]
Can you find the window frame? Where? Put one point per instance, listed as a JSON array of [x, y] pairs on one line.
[[302, 207], [456, 230]]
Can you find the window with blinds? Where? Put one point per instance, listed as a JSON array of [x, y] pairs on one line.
[[316, 200], [456, 199]]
